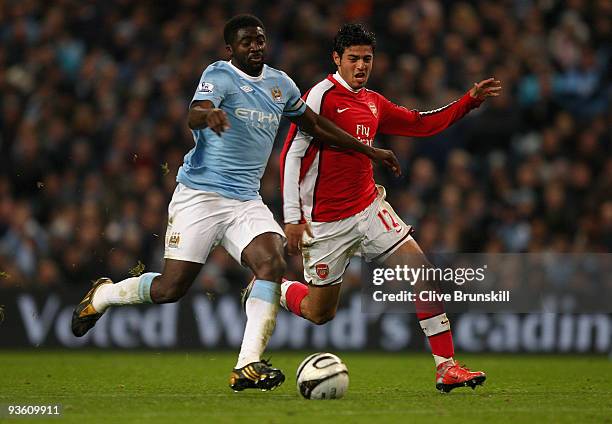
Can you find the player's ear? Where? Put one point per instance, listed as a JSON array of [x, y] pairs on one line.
[[229, 50], [336, 58]]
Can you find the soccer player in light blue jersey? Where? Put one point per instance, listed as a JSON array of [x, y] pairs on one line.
[[234, 115]]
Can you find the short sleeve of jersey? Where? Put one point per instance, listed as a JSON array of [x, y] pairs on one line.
[[295, 106], [212, 86]]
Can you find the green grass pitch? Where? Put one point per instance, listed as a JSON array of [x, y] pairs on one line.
[[116, 387]]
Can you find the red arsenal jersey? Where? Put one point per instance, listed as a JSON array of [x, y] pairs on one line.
[[322, 183]]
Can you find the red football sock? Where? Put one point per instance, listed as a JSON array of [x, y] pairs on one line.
[[442, 344], [295, 293], [436, 327]]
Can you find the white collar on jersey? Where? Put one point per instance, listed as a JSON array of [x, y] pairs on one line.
[[245, 75], [345, 84]]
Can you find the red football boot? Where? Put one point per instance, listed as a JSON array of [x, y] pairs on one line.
[[450, 375]]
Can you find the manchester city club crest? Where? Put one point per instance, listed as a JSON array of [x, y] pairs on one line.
[[174, 240], [277, 94]]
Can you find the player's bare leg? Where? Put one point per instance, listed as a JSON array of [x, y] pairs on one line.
[[264, 256], [435, 325], [150, 287], [317, 304]]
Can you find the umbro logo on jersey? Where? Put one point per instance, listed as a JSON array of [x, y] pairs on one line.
[[342, 110], [246, 88]]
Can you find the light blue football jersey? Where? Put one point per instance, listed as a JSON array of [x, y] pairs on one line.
[[232, 164]]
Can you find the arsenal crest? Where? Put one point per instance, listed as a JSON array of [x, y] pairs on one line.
[[322, 270], [277, 94], [373, 108]]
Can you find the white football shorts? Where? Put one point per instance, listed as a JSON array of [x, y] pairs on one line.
[[198, 221], [374, 234]]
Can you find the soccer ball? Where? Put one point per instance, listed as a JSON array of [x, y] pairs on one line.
[[322, 376]]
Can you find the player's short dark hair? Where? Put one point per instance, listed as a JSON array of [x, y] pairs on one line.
[[353, 35], [238, 22]]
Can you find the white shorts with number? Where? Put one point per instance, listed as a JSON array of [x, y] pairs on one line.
[[374, 234], [198, 221]]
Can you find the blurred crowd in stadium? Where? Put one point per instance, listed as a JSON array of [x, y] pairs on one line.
[[93, 127]]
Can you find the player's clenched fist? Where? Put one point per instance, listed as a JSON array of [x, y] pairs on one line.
[[216, 120], [295, 233], [388, 159], [486, 88]]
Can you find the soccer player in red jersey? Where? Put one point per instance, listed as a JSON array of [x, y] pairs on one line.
[[333, 209]]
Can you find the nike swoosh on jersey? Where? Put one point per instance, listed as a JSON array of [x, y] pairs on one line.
[[342, 110]]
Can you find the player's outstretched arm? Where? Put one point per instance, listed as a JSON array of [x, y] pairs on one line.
[[485, 88], [323, 129], [397, 120], [204, 114]]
